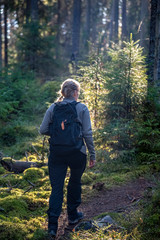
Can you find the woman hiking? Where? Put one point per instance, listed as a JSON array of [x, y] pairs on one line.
[[68, 124]]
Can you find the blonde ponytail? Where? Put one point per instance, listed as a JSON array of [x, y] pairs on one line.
[[67, 89]]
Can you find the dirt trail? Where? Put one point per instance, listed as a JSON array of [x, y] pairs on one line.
[[117, 199]]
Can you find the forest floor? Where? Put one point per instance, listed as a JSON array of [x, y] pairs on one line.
[[118, 199]]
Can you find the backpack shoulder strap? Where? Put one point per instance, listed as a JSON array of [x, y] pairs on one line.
[[73, 105], [75, 102]]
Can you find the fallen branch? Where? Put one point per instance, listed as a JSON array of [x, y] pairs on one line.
[[32, 184], [6, 175], [30, 188]]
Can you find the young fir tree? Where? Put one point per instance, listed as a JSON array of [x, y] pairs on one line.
[[126, 84], [114, 88]]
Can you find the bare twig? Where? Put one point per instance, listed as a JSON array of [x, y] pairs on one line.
[[10, 187], [31, 187], [136, 200], [6, 175], [44, 139], [26, 154], [129, 197], [32, 184], [36, 150]]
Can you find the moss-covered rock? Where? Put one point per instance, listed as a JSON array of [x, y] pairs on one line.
[[45, 168], [33, 174]]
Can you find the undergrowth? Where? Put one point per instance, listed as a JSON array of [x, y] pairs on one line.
[[24, 200]]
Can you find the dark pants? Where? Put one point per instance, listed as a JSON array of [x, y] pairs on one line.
[[57, 172]]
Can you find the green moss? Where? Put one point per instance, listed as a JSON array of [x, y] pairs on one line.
[[89, 177], [10, 231], [36, 222], [45, 168], [86, 179], [10, 180], [14, 206], [17, 192], [46, 185], [39, 234], [118, 178], [34, 203], [42, 194], [33, 174], [4, 192], [2, 170], [2, 217]]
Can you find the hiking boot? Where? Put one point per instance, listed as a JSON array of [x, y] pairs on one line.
[[73, 220], [51, 234]]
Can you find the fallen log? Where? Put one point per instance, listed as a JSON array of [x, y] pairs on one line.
[[17, 166]]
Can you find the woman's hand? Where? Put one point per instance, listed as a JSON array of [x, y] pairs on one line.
[[92, 163]]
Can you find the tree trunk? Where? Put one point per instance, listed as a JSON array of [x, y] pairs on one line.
[[116, 20], [143, 27], [28, 10], [87, 25], [5, 37], [111, 24], [58, 29], [0, 39], [157, 48], [76, 27], [113, 33], [124, 21], [151, 55], [34, 10]]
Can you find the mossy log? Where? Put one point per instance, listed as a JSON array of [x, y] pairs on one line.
[[17, 166]]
